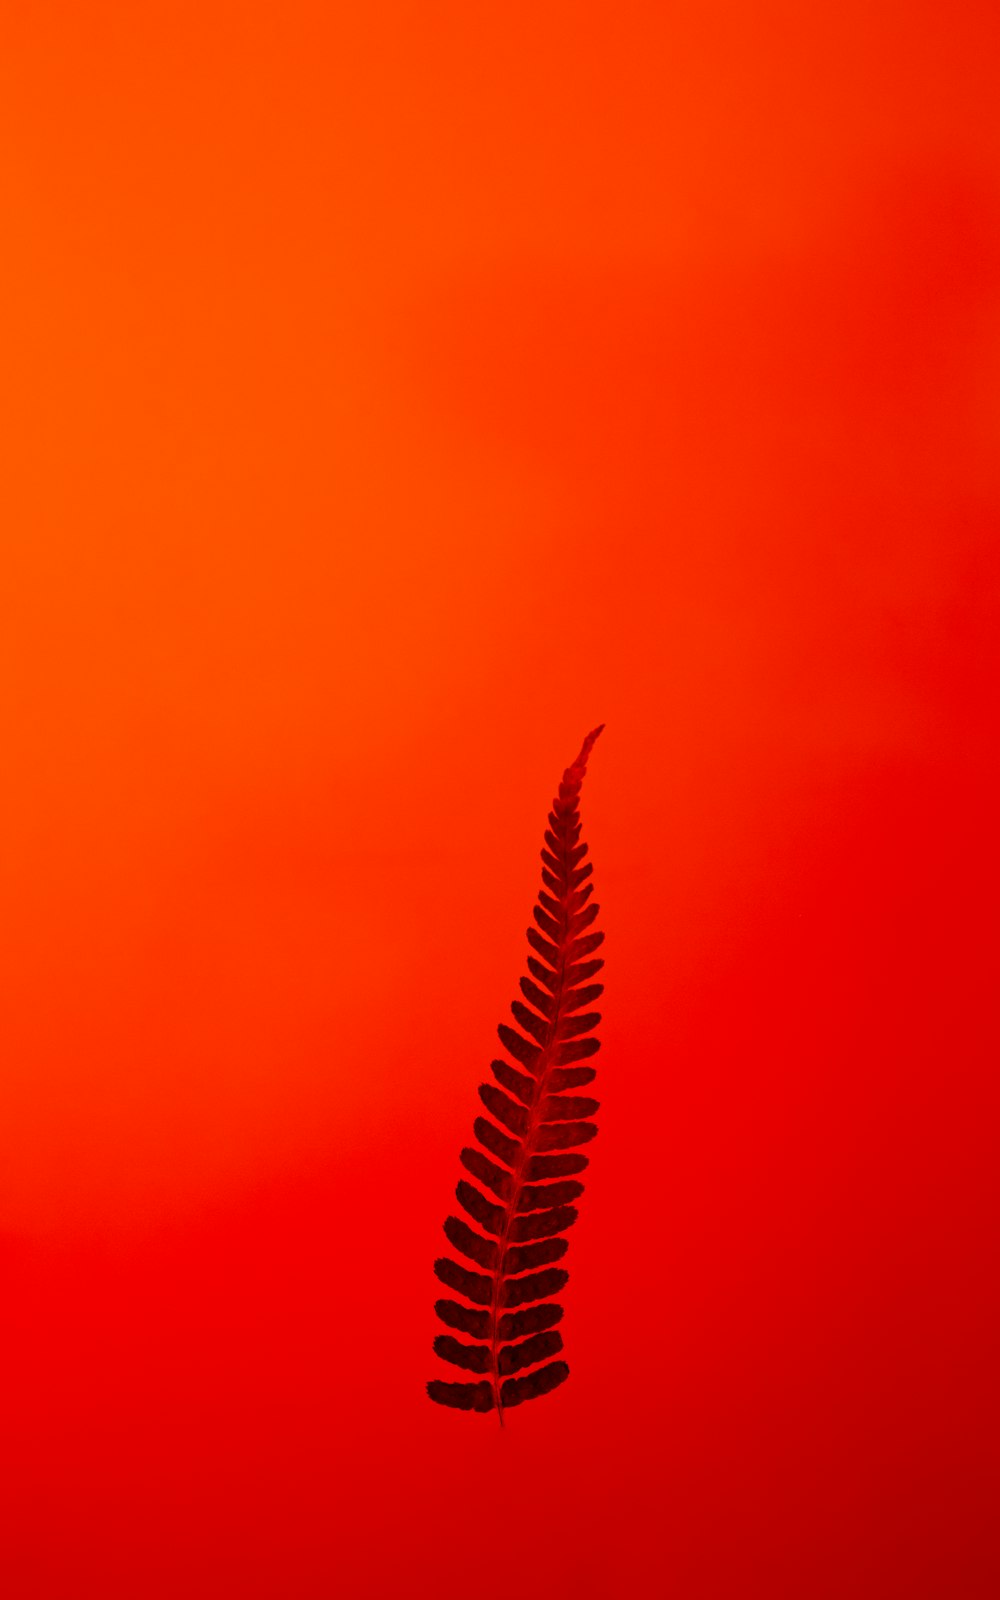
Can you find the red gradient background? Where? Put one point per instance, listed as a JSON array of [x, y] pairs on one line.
[[392, 392]]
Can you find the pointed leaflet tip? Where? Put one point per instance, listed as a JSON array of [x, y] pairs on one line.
[[586, 747]]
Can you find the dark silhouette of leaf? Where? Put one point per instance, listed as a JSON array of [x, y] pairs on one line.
[[563, 1135], [473, 1285], [537, 996], [519, 1233], [480, 1209], [495, 1142], [582, 997], [574, 1026], [514, 1390], [576, 1050], [535, 1197], [524, 1256], [543, 1224], [514, 1357], [581, 972], [567, 1107], [519, 1047], [571, 976], [547, 924], [490, 1176], [523, 1088], [473, 1357], [530, 1022], [464, 1318], [543, 975], [471, 1244], [554, 1166], [464, 1396], [515, 1324], [506, 1110], [544, 948], [536, 1286], [570, 1077]]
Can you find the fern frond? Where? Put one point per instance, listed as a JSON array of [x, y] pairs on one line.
[[524, 1166]]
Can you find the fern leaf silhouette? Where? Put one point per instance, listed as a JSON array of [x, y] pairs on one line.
[[535, 1129]]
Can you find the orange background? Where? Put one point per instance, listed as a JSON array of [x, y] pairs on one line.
[[392, 392]]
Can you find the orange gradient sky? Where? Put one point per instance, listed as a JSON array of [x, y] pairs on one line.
[[392, 393]]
